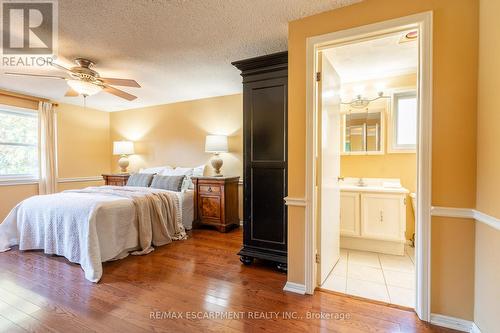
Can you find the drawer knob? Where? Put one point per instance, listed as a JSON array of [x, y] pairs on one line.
[[209, 189]]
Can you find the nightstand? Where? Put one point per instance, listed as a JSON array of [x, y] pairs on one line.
[[119, 179], [216, 202]]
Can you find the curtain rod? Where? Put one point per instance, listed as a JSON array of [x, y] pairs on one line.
[[26, 97]]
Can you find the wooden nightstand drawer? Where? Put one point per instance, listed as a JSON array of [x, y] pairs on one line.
[[116, 180], [215, 189], [216, 202]]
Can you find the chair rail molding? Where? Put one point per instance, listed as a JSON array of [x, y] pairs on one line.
[[80, 179], [466, 213], [300, 202]]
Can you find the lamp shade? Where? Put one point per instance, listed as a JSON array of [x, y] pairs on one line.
[[216, 144], [123, 147]]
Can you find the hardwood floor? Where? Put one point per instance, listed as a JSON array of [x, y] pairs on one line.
[[202, 274]]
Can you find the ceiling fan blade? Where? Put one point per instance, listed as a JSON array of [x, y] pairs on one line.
[[119, 93], [36, 75], [120, 82], [71, 93], [56, 65]]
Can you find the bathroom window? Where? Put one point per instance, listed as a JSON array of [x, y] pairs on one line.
[[404, 122]]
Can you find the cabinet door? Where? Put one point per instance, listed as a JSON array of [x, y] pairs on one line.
[[383, 216], [210, 208], [349, 214]]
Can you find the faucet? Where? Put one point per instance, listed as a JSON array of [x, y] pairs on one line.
[[361, 182]]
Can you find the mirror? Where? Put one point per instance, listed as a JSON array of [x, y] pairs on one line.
[[363, 132]]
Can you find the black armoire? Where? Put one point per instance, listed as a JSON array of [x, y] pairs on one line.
[[265, 99]]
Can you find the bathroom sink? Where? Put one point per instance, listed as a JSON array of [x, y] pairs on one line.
[[386, 185]]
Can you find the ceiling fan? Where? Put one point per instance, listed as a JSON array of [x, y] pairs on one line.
[[84, 80]]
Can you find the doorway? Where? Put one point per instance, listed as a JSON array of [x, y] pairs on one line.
[[366, 233], [368, 134]]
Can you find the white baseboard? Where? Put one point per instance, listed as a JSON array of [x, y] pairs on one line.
[[475, 329], [452, 322], [295, 288]]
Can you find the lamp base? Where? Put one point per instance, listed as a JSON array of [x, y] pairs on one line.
[[123, 163], [216, 162]]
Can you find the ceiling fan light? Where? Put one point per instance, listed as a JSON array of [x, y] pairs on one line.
[[84, 87]]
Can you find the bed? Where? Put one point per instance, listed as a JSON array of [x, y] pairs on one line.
[[99, 224]]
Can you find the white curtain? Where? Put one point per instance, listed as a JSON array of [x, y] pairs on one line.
[[47, 154]]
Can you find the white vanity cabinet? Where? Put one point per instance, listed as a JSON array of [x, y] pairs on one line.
[[383, 216], [373, 219], [349, 214]]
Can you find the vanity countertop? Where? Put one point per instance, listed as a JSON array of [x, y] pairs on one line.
[[377, 185]]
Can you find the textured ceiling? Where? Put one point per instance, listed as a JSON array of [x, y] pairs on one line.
[[374, 59], [177, 50]]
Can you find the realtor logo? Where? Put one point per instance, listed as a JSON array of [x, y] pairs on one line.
[[29, 27]]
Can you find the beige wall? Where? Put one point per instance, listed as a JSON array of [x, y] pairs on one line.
[[83, 151], [174, 134], [10, 196], [452, 246], [83, 144], [454, 131], [388, 165], [487, 278], [487, 270]]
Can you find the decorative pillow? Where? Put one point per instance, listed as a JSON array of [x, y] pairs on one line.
[[170, 183], [156, 170], [140, 179], [179, 171]]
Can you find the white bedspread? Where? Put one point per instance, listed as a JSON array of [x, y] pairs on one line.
[[87, 227]]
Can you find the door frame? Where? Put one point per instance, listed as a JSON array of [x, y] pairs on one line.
[[422, 22]]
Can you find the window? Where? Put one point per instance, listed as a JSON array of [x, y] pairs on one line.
[[18, 144], [404, 121]]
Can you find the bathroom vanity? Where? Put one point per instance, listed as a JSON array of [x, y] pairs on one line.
[[373, 215]]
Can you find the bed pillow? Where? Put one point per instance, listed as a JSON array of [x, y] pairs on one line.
[[156, 170], [140, 179], [170, 183], [199, 171]]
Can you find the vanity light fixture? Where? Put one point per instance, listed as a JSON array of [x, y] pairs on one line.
[[359, 102]]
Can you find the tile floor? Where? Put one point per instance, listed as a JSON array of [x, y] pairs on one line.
[[381, 277]]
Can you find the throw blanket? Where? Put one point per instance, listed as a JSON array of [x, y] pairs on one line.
[[66, 223]]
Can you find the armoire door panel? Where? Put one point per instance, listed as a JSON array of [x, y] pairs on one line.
[[267, 123], [267, 211]]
